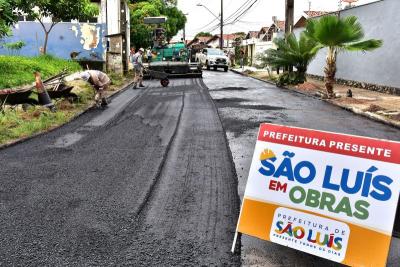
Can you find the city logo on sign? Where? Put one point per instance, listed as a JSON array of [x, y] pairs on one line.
[[310, 233]]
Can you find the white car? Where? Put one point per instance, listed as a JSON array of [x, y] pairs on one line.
[[213, 58]]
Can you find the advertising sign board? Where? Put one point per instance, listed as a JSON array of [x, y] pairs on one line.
[[331, 195]]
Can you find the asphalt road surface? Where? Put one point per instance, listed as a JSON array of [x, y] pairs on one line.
[[147, 182], [243, 103], [150, 181]]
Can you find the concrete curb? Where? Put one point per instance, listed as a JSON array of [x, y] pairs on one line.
[[18, 141], [369, 115]]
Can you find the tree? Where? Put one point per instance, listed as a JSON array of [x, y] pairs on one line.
[[141, 33], [203, 34], [176, 21], [240, 34], [338, 34], [292, 52], [7, 16], [58, 10]]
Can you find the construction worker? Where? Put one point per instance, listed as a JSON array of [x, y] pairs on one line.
[[100, 82], [137, 61]]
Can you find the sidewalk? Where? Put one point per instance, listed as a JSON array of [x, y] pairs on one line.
[[374, 105]]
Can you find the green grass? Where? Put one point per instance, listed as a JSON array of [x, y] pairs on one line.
[[14, 125], [17, 70], [17, 123]]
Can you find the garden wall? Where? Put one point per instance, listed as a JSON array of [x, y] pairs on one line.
[[380, 20], [84, 39]]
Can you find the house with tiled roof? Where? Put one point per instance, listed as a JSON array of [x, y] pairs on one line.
[[308, 14], [229, 40], [251, 34], [199, 41], [255, 44], [280, 24]]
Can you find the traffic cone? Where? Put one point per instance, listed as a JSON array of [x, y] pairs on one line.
[[44, 98]]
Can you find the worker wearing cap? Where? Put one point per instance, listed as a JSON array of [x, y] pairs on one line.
[[100, 82], [137, 61]]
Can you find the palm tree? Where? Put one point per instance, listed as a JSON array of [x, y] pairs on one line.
[[292, 52], [338, 34]]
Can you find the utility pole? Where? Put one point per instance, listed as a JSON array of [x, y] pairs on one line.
[[289, 21], [221, 40], [184, 30], [289, 18], [221, 17]]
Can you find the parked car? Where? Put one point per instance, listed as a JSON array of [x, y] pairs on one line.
[[213, 58]]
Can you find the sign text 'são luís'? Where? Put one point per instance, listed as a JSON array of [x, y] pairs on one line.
[[327, 194]]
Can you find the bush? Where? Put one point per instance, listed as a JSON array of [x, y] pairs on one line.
[[290, 78], [14, 48], [18, 70]]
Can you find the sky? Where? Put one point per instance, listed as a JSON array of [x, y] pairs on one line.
[[258, 16]]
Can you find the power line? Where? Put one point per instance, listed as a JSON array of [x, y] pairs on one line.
[[238, 10], [243, 13], [243, 6], [208, 24]]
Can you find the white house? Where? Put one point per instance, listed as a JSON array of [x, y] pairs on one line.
[[257, 43]]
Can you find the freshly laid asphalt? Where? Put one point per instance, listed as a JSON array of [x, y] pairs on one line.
[[243, 103], [150, 181], [149, 184]]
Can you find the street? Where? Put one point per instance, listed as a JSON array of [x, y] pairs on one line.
[[150, 181], [154, 186]]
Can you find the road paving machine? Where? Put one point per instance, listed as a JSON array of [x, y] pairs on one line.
[[171, 59]]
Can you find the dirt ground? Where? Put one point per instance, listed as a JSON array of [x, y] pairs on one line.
[[376, 105]]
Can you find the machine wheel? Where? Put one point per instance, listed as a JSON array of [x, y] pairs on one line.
[[226, 69], [215, 68], [164, 82]]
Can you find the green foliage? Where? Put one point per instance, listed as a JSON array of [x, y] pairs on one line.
[[171, 2], [7, 16], [13, 125], [240, 35], [292, 52], [176, 21], [203, 34], [15, 47], [290, 78], [18, 70], [141, 34], [340, 33], [59, 10]]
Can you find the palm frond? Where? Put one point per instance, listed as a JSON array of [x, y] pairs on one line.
[[334, 31], [292, 52], [364, 46]]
